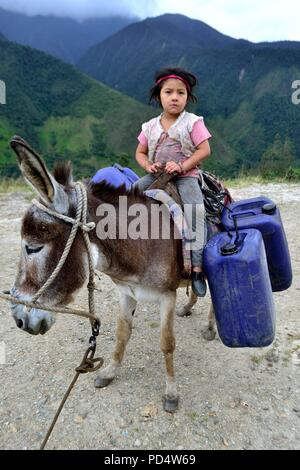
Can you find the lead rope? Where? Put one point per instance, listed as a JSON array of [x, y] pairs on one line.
[[5, 295], [89, 363]]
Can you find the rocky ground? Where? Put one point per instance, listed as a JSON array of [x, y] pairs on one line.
[[229, 398]]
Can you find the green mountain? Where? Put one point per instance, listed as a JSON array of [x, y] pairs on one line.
[[143, 47], [245, 88], [63, 113], [64, 38]]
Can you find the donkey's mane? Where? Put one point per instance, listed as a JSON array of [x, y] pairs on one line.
[[110, 194], [62, 172], [103, 191]]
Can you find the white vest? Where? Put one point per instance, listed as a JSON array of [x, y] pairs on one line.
[[179, 131]]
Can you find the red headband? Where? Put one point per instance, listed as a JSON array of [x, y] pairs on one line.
[[177, 78]]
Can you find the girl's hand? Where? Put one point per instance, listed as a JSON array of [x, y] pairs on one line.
[[173, 167], [153, 168]]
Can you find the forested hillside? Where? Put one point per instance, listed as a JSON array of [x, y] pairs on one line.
[[63, 113]]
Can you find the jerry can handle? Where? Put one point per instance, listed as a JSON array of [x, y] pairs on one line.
[[243, 214], [234, 221]]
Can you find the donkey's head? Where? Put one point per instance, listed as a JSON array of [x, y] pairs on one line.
[[43, 240]]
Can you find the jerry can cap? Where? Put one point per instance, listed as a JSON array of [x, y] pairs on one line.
[[269, 208], [229, 249]]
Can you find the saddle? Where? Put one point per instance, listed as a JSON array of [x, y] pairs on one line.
[[163, 181], [215, 195]]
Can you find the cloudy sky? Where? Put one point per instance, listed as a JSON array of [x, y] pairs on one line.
[[256, 20]]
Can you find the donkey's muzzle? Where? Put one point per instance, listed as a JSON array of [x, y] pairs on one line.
[[35, 322]]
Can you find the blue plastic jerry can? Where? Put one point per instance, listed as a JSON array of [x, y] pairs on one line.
[[241, 292], [116, 176], [263, 214]]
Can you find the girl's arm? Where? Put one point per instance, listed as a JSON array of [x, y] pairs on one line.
[[141, 156], [201, 153]]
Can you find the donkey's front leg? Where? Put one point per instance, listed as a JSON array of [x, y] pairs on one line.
[[167, 345], [124, 327]]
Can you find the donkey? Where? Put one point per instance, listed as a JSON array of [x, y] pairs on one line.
[[142, 269]]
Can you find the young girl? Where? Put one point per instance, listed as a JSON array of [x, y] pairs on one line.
[[179, 140]]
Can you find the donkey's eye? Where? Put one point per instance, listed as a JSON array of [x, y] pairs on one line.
[[30, 250]]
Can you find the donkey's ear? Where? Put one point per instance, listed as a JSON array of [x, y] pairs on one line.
[[33, 168], [35, 172]]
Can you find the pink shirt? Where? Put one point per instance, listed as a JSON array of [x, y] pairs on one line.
[[168, 149]]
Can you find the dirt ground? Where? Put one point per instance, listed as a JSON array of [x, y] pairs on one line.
[[229, 398]]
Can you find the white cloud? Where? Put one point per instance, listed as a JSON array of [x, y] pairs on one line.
[[81, 9], [256, 20]]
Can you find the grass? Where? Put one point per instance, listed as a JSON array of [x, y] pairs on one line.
[[10, 185], [257, 359], [289, 352], [247, 180], [293, 336], [193, 415], [243, 180], [154, 325]]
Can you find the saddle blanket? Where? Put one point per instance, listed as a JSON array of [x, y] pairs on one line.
[[179, 221]]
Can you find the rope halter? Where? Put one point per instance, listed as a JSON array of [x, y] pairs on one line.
[[80, 221]]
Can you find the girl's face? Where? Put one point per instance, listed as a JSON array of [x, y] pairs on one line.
[[173, 96]]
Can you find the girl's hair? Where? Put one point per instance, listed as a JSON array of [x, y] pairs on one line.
[[187, 77]]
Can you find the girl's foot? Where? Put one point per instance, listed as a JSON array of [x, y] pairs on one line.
[[198, 282]]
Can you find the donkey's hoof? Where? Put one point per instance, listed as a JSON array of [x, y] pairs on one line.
[[170, 404], [184, 313], [208, 334], [101, 382]]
